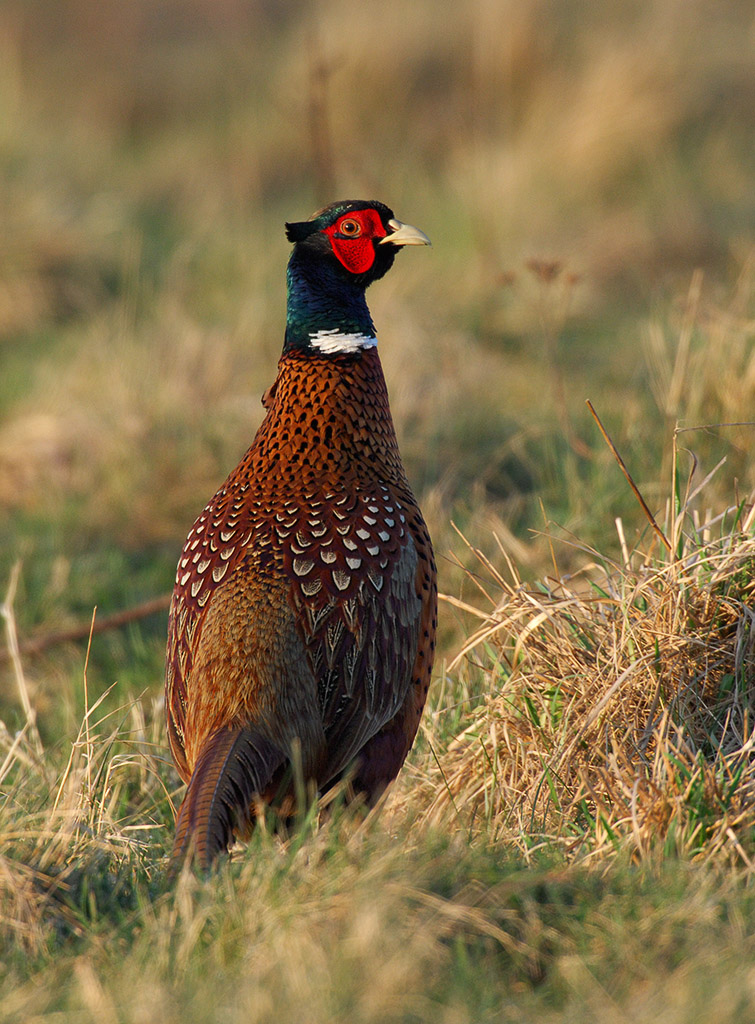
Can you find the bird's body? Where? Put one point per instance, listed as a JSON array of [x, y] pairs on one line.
[[303, 616]]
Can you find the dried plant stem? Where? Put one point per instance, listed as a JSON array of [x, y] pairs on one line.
[[635, 490], [681, 362], [86, 707], [714, 426], [83, 630], [321, 141], [14, 654]]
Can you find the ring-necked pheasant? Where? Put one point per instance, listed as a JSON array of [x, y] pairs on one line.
[[304, 610]]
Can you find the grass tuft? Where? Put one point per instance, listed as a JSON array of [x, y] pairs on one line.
[[620, 703]]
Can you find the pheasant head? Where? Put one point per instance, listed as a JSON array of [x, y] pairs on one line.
[[337, 254]]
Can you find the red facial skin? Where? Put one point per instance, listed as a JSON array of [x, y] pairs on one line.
[[354, 246]]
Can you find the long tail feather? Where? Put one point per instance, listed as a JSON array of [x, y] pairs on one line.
[[233, 765]]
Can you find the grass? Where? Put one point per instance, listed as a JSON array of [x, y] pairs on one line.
[[579, 839], [573, 836], [619, 710]]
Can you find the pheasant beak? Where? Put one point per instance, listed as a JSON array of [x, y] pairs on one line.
[[405, 234]]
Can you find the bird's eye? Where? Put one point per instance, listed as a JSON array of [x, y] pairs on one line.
[[350, 228]]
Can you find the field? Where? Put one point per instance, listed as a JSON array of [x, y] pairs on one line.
[[573, 837]]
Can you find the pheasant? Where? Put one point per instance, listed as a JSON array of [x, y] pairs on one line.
[[302, 623]]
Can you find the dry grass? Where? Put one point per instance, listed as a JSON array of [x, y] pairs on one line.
[[71, 827], [616, 727], [621, 702]]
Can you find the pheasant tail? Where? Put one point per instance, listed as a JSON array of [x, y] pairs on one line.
[[234, 765]]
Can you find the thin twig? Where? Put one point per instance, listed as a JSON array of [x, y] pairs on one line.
[[678, 373], [81, 631], [86, 707], [715, 426], [14, 656], [320, 137], [635, 490]]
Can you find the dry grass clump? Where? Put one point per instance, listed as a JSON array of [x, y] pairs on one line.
[[621, 704], [71, 838]]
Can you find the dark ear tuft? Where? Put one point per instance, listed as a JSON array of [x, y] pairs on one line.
[[300, 230]]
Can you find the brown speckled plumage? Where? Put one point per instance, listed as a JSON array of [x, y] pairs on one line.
[[304, 609]]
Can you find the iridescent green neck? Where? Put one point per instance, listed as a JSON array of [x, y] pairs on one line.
[[326, 311]]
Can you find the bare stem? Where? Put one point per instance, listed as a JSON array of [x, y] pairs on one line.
[[635, 489], [14, 655]]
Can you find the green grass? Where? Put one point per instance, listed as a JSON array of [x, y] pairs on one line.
[[585, 176], [358, 922]]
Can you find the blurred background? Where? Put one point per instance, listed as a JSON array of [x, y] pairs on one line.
[[585, 173]]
